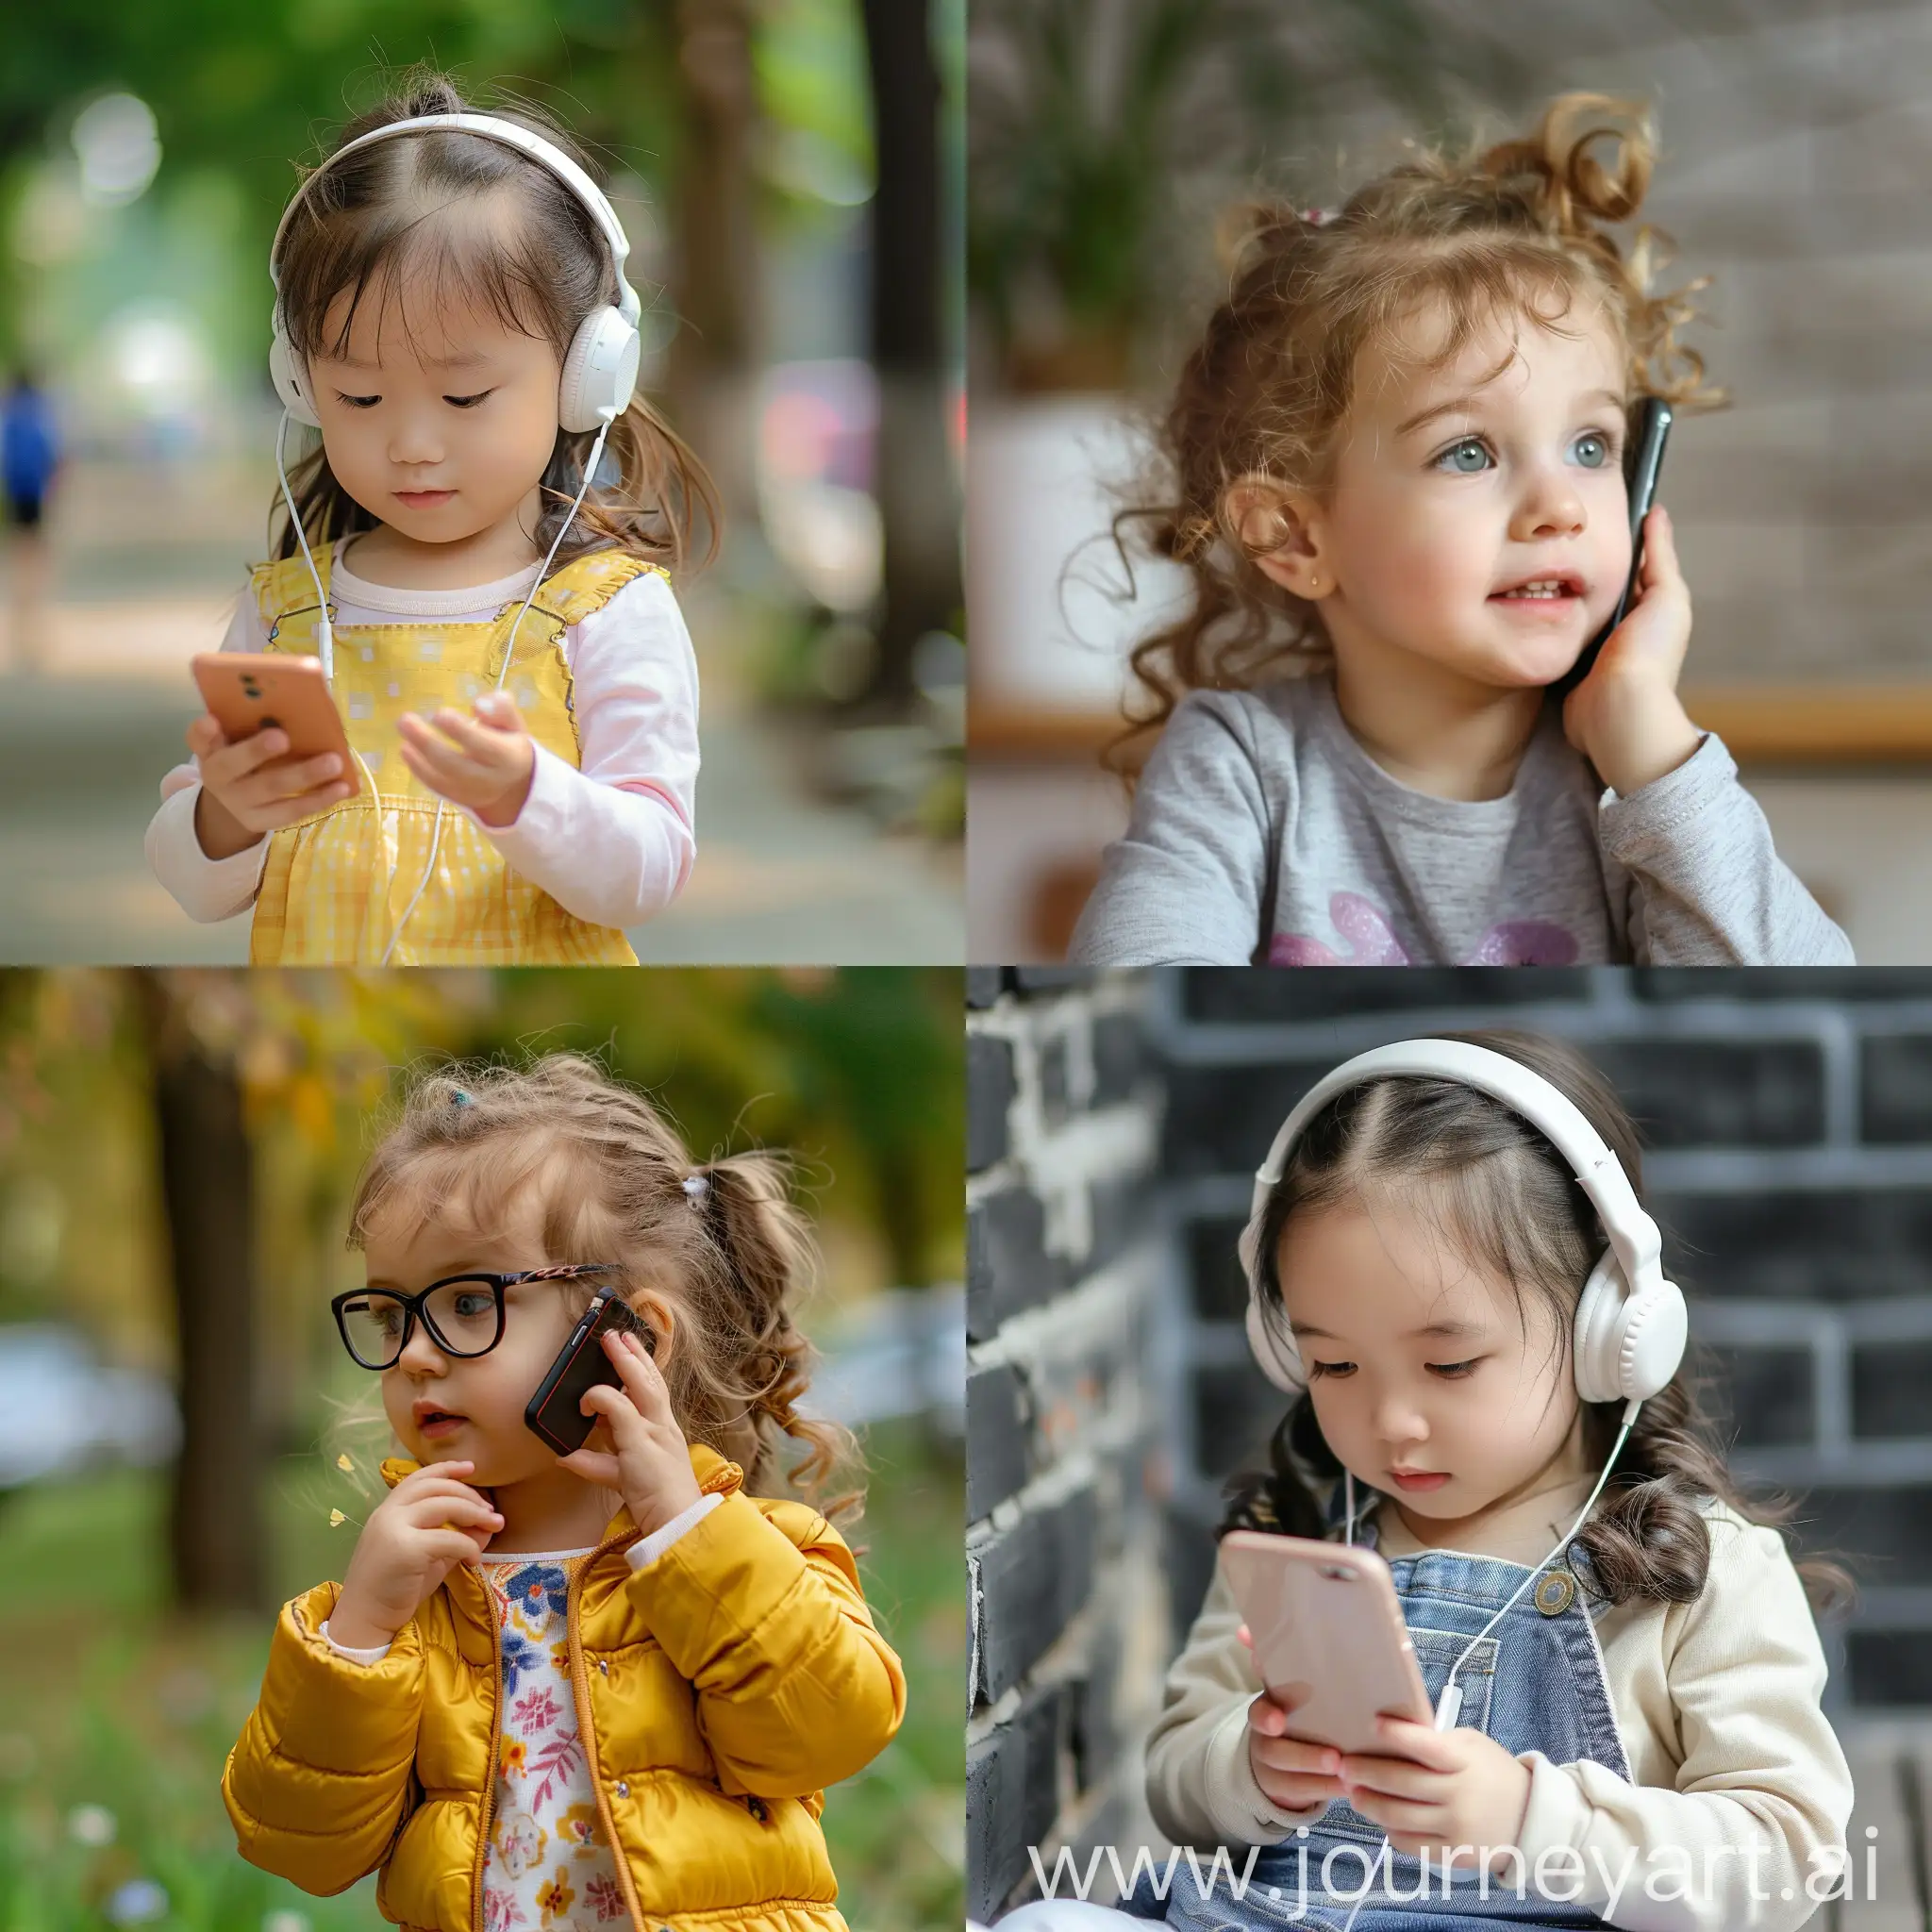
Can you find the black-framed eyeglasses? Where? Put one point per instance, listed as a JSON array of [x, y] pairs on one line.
[[463, 1313]]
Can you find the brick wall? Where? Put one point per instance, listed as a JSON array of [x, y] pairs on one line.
[[1787, 1123], [1069, 1637]]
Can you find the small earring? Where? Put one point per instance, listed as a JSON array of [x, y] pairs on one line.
[[1314, 583]]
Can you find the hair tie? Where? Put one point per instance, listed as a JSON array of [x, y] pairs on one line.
[[697, 1186], [459, 1097]]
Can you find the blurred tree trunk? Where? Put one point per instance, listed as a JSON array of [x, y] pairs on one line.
[[710, 366], [918, 500], [215, 1529]]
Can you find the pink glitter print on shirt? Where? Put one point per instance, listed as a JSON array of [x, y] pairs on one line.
[[1372, 943]]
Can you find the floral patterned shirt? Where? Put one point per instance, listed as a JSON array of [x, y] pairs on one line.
[[548, 1867]]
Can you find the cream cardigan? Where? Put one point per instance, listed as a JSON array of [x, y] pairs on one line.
[[1717, 1704]]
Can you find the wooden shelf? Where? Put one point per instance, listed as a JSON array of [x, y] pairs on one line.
[[1762, 724]]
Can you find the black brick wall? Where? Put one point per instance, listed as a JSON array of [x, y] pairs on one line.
[[1064, 1532]]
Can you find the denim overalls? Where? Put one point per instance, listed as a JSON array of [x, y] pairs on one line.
[[1535, 1682]]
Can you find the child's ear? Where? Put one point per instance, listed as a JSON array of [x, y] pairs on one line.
[[659, 1317], [1282, 532]]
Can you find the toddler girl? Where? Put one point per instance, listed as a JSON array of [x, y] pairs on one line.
[[596, 1689], [477, 552], [1396, 479], [1639, 1740]]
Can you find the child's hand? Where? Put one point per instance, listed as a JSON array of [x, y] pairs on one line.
[[652, 1467], [1292, 1772], [485, 763], [1439, 1788], [430, 1522], [1625, 717], [242, 797]]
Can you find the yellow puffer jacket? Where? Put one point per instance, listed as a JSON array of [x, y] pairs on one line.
[[719, 1690]]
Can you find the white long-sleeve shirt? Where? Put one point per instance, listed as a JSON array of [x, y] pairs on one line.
[[1717, 1704], [611, 842]]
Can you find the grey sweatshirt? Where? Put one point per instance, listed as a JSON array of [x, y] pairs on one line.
[[1262, 833]]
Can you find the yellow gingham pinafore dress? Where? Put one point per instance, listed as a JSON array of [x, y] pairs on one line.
[[335, 883]]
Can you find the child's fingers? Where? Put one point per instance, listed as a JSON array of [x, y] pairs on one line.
[[1396, 1777], [431, 745], [435, 1511], [481, 739], [273, 783], [643, 1378], [1660, 567], [1422, 1743], [1299, 1755], [205, 735], [226, 763], [1397, 1814], [455, 1544]]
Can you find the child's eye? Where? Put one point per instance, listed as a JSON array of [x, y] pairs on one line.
[[1330, 1368], [1593, 450], [1465, 459], [1454, 1372], [468, 402], [357, 402]]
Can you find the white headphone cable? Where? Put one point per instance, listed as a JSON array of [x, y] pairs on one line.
[[1449, 1706]]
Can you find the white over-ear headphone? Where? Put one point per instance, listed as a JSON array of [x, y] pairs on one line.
[[1631, 1324], [599, 370]]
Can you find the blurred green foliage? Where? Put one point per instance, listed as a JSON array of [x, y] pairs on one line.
[[244, 92], [856, 1071]]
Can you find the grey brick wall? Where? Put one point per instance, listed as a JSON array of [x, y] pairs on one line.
[[1069, 1636], [1788, 1125]]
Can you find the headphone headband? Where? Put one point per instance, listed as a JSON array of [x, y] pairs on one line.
[[510, 134], [1632, 1236]]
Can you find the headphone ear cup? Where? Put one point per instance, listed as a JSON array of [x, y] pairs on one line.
[[1627, 1346], [600, 373], [1276, 1354], [285, 371]]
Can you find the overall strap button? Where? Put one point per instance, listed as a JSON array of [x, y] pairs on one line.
[[1555, 1593]]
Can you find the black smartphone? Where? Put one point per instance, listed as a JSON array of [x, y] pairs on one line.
[[554, 1413], [1646, 460]]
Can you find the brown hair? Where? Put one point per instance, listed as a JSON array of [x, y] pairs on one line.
[[1518, 227], [1509, 1202], [731, 1255], [374, 218]]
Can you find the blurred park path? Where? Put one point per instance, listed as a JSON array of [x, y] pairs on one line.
[[87, 731]]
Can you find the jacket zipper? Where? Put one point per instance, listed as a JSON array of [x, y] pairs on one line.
[[495, 1747]]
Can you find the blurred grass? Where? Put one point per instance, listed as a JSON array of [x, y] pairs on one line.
[[116, 1714]]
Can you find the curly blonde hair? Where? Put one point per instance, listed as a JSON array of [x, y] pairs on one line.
[[1518, 227], [731, 1255]]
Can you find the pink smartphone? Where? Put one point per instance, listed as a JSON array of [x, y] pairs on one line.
[[1326, 1624], [250, 690]]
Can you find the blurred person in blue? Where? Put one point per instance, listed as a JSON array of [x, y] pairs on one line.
[[29, 462]]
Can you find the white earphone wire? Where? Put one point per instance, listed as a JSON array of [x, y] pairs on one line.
[[324, 634], [1449, 1706], [508, 652]]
